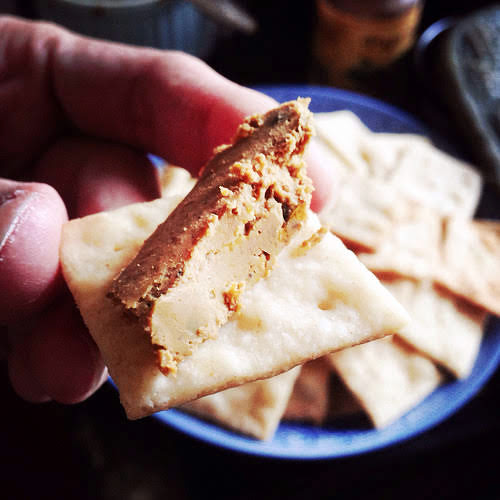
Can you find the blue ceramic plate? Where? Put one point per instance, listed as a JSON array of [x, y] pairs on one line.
[[293, 441]]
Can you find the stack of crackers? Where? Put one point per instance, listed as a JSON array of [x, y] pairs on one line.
[[406, 209]]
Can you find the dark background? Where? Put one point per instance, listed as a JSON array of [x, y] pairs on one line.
[[91, 451]]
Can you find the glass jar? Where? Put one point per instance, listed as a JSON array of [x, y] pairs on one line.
[[354, 39]]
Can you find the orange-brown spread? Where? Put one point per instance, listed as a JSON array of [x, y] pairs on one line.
[[306, 245]]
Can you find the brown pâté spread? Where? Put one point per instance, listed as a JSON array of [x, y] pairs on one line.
[[186, 279]]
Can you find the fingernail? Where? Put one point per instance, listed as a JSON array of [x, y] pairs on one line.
[[14, 200]]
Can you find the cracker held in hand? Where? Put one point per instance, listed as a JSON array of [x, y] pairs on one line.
[[317, 299]]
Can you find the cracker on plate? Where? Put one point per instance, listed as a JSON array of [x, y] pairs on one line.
[[406, 209], [387, 377], [309, 401], [436, 179], [410, 164], [344, 133], [411, 247], [360, 150], [254, 409], [443, 327], [470, 261], [362, 213]]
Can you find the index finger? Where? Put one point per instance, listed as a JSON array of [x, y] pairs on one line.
[[163, 102], [167, 103]]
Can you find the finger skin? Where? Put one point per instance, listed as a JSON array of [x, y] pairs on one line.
[[63, 358], [167, 103], [324, 180], [21, 376], [163, 102], [31, 219], [92, 175], [52, 84]]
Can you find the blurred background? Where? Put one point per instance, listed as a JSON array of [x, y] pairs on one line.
[[255, 42], [383, 48], [90, 450]]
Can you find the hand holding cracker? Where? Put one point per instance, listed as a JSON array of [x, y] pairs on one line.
[[78, 114]]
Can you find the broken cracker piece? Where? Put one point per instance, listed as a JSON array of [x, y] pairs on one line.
[[225, 234]]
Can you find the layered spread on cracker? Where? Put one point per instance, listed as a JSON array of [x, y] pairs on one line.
[[187, 278], [312, 303]]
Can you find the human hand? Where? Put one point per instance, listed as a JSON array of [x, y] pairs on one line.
[[78, 116]]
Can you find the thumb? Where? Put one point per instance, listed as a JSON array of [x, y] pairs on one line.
[[31, 219]]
